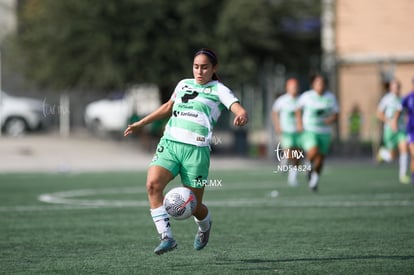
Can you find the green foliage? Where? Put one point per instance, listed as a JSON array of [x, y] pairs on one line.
[[105, 45], [247, 36]]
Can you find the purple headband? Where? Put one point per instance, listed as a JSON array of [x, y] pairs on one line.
[[209, 53]]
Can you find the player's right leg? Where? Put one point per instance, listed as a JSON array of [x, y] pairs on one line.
[[387, 152], [162, 170], [289, 142], [157, 178]]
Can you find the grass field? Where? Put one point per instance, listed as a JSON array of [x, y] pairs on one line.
[[360, 222]]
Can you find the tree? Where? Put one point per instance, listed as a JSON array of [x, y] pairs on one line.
[[109, 44], [106, 45], [254, 33]]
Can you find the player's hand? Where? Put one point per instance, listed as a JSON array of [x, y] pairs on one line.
[[240, 120], [328, 121], [394, 125], [131, 129]]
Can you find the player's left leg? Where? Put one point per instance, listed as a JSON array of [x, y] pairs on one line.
[[309, 143], [194, 175], [411, 147], [294, 161], [403, 158], [202, 219], [323, 144], [317, 165], [289, 143]]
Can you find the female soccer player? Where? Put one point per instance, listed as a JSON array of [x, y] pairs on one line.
[[283, 116], [394, 135], [408, 105], [317, 111], [184, 149]]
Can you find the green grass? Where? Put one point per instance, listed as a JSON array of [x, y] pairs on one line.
[[360, 222]]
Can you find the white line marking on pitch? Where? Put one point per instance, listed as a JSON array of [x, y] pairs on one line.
[[72, 200]]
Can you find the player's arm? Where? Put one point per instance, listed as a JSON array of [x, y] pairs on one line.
[[276, 121], [381, 115], [240, 113], [332, 118], [393, 122], [163, 111], [299, 121]]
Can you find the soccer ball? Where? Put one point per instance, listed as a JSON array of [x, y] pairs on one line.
[[180, 203]]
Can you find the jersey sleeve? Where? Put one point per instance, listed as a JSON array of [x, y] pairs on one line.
[[335, 107], [301, 101], [177, 88], [276, 106], [226, 96], [382, 104]]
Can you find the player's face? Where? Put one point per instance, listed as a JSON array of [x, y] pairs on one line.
[[292, 88], [318, 85], [203, 70], [395, 87]]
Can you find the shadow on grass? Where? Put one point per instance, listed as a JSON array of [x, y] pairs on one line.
[[329, 259], [263, 262]]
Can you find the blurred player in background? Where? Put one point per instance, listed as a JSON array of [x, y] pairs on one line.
[[184, 149], [394, 135], [354, 129], [283, 117], [317, 110], [408, 105]]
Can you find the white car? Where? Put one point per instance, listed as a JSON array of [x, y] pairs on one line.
[[19, 115], [112, 116]]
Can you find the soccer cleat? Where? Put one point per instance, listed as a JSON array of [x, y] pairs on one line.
[[313, 181], [166, 245], [405, 179], [201, 238], [379, 157]]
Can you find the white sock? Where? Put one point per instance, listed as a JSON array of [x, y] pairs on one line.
[[292, 178], [204, 224], [403, 164], [313, 180], [162, 222]]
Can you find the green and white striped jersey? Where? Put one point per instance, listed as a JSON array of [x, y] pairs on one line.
[[316, 108], [285, 105], [196, 110], [390, 104]]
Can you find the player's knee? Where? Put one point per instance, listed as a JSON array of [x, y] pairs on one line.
[[312, 153], [154, 186]]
